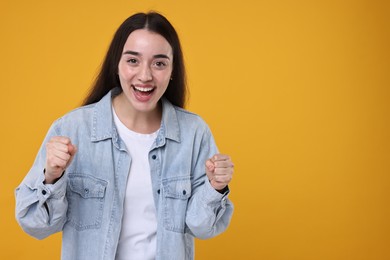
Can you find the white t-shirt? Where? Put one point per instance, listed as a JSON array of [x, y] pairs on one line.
[[139, 224]]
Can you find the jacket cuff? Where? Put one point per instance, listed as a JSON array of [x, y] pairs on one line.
[[50, 191], [212, 196]]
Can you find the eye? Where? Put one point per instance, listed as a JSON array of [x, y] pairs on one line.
[[132, 61], [160, 64]]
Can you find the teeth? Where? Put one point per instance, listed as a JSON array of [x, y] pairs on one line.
[[143, 89]]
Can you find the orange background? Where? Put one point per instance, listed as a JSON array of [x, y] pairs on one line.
[[297, 92]]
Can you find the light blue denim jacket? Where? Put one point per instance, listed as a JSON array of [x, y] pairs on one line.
[[86, 204]]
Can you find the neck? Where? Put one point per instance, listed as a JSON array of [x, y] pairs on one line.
[[137, 121]]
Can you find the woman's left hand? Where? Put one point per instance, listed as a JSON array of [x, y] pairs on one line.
[[219, 170]]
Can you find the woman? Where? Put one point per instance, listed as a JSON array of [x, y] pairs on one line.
[[131, 174]]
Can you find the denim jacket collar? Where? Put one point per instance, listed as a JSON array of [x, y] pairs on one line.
[[103, 126], [170, 123]]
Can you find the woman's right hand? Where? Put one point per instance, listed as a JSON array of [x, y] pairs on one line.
[[59, 154]]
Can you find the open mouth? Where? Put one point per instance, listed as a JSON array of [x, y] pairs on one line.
[[143, 91]]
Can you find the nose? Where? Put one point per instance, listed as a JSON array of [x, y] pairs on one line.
[[145, 74]]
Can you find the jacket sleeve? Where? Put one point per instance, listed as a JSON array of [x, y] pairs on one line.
[[209, 212], [41, 209]]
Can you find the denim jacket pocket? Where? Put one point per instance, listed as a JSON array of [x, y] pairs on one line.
[[176, 193], [85, 201]]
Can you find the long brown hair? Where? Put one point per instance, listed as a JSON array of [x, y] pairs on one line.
[[108, 79]]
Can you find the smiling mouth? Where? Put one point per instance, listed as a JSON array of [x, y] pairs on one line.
[[143, 91]]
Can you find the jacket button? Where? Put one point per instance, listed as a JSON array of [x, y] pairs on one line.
[[184, 192], [158, 191], [43, 192], [154, 157]]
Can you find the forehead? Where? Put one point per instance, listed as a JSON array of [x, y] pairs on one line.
[[146, 42]]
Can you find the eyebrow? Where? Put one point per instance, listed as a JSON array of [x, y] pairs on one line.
[[154, 56]]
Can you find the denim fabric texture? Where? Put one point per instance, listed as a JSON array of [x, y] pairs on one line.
[[86, 203]]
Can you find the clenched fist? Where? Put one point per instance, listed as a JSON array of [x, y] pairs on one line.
[[59, 154], [219, 170]]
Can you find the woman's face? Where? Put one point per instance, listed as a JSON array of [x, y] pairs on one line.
[[145, 69]]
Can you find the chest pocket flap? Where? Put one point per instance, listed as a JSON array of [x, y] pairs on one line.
[[179, 188], [87, 186]]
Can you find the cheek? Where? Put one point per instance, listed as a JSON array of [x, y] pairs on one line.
[[122, 80], [164, 83], [164, 78], [124, 74]]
